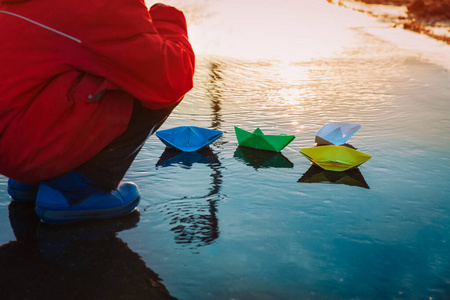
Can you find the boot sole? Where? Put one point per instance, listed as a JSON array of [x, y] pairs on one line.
[[22, 196], [70, 216]]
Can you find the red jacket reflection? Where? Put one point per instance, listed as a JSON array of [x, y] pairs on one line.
[[69, 70]]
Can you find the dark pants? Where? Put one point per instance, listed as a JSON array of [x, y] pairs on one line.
[[109, 166]]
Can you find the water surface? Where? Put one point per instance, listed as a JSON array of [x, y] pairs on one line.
[[227, 223]]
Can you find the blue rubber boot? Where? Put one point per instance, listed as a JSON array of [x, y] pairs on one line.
[[74, 197], [22, 192]]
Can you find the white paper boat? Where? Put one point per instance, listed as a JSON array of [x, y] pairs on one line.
[[336, 133]]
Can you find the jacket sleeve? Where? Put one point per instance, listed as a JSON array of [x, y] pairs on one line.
[[151, 59]]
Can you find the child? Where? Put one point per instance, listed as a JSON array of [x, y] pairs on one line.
[[82, 85]]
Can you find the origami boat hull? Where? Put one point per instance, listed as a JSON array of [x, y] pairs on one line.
[[336, 133], [188, 138], [259, 140], [335, 158]]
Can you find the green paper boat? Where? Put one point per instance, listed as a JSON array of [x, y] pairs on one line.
[[259, 140], [335, 158]]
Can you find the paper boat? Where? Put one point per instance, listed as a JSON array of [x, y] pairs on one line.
[[262, 159], [335, 158], [188, 138], [351, 177], [336, 133], [259, 140]]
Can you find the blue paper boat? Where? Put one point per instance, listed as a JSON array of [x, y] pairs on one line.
[[336, 133], [188, 138]]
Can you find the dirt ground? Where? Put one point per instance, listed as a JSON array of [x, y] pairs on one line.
[[430, 17]]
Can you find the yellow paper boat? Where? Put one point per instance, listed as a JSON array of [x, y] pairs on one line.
[[335, 158]]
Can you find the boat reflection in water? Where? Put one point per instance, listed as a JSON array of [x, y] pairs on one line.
[[261, 158], [352, 177], [193, 217], [172, 156]]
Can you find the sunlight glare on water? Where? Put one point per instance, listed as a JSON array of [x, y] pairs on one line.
[[271, 29]]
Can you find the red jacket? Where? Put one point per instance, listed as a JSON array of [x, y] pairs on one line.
[[69, 70]]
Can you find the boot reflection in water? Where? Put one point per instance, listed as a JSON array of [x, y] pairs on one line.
[[75, 261]]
